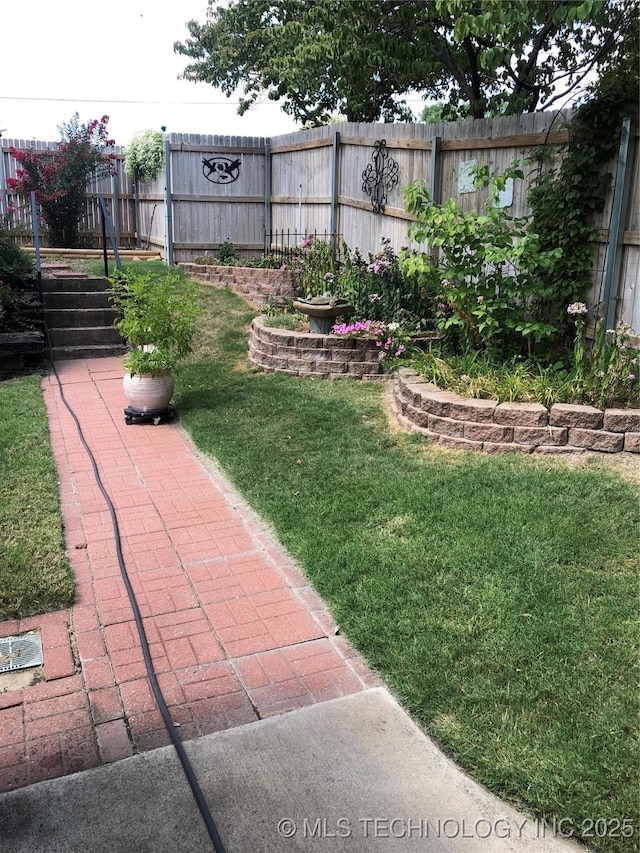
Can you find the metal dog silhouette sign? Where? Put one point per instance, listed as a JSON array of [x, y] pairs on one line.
[[221, 170]]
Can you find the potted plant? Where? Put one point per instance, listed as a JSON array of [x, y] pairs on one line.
[[157, 315]]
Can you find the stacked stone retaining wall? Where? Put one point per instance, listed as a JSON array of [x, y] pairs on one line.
[[20, 352], [313, 355], [260, 286], [471, 424]]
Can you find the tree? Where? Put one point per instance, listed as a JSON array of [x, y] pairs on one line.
[[59, 177], [484, 57], [433, 113]]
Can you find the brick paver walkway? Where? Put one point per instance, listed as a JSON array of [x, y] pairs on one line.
[[235, 631]]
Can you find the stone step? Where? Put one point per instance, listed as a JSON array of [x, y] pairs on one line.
[[74, 282], [65, 353], [76, 299], [74, 318], [85, 336]]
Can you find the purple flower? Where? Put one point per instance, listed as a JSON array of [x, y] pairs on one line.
[[631, 377], [464, 377], [577, 308]]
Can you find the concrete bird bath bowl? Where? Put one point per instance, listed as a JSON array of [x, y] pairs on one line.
[[322, 311]]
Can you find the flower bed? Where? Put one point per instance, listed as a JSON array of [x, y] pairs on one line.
[[261, 286], [312, 355], [464, 423]]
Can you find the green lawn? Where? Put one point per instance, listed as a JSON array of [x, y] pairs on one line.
[[34, 572], [496, 596]]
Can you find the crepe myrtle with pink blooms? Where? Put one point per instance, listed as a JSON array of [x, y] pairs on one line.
[[59, 177]]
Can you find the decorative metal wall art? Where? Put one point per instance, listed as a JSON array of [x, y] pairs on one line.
[[221, 170], [380, 178]]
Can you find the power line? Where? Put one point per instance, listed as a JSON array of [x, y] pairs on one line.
[[115, 101], [158, 103]]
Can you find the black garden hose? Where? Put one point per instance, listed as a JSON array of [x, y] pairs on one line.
[[153, 680]]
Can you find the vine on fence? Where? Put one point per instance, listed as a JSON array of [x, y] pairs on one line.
[[565, 199]]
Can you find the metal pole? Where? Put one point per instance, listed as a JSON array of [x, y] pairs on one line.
[[36, 240], [104, 243], [335, 177], [106, 224], [616, 226], [168, 233], [115, 209]]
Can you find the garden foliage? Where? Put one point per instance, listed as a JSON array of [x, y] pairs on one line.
[[157, 315], [59, 177], [490, 268], [144, 156], [16, 270], [358, 59], [565, 199]]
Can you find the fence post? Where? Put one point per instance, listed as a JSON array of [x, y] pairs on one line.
[[4, 206], [168, 204], [615, 244], [267, 195], [434, 184], [136, 211], [335, 178]]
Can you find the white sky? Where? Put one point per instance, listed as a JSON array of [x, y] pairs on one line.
[[71, 56]]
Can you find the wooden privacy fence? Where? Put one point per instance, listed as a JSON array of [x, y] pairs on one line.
[[347, 179]]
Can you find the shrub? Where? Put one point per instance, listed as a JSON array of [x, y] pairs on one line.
[[144, 156], [59, 177], [378, 288], [15, 307], [157, 315], [490, 269], [316, 268], [16, 265]]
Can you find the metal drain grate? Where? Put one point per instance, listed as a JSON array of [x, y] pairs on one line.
[[20, 652]]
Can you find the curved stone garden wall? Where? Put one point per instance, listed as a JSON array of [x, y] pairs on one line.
[[260, 286], [312, 355], [470, 424]]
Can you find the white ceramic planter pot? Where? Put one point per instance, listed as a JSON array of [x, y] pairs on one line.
[[148, 393]]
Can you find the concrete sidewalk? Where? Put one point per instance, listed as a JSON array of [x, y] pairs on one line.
[[283, 721], [352, 774]]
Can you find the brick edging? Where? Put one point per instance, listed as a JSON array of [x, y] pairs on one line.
[[259, 286], [313, 355], [471, 424]]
